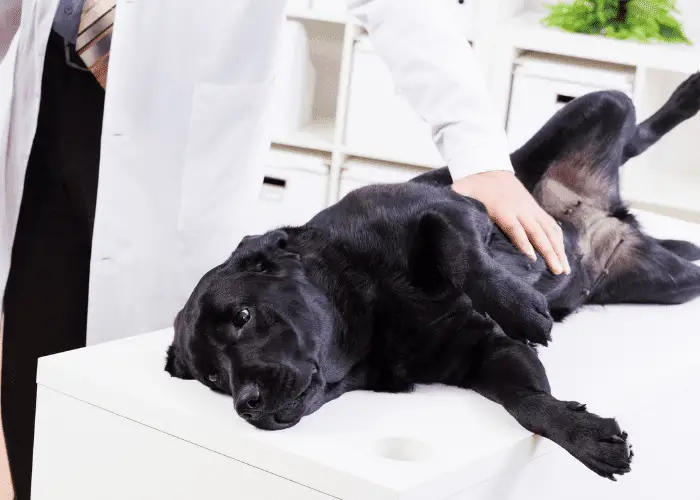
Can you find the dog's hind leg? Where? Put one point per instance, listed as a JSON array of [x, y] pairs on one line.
[[683, 105], [609, 116], [585, 141], [653, 272], [511, 374], [683, 249]]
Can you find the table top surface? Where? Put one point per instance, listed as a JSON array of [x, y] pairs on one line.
[[384, 446]]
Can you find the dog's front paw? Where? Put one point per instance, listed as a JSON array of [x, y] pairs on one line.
[[523, 314], [597, 442], [686, 98]]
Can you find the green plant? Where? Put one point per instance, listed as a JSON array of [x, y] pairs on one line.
[[641, 20]]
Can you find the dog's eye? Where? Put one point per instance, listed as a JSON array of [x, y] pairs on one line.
[[213, 378], [241, 318]]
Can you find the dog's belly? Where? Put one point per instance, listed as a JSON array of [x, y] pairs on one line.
[[604, 243]]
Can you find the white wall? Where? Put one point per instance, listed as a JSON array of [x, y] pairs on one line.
[[690, 15]]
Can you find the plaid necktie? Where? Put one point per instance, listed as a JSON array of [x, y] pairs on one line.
[[95, 36]]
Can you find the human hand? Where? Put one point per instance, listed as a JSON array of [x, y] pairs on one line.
[[519, 215]]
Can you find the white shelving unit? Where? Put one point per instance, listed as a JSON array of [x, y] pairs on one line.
[[666, 179], [333, 40]]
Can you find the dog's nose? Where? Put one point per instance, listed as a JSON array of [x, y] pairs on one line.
[[248, 401]]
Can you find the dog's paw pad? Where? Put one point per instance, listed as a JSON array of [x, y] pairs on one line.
[[523, 314], [598, 443], [538, 323]]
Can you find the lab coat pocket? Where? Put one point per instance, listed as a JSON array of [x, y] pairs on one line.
[[227, 142]]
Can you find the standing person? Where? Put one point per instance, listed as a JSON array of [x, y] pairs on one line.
[[178, 142]]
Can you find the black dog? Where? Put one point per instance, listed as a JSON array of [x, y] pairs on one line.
[[407, 284]]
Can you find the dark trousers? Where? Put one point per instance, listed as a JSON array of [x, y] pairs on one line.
[[47, 291]]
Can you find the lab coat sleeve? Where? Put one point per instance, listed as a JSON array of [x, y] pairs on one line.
[[435, 68]]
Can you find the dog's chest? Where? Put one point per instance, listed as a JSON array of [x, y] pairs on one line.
[[430, 340]]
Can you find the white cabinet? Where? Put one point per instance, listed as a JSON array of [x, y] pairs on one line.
[[152, 465], [295, 189], [347, 105], [543, 84]]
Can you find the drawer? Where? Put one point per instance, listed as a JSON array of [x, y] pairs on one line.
[[295, 188]]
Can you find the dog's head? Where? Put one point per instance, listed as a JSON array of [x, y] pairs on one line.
[[254, 328]]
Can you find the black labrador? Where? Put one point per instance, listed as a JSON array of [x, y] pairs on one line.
[[405, 284]]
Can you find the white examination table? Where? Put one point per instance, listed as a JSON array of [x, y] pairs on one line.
[[112, 425]]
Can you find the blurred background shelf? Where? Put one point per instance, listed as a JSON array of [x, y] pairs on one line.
[[527, 32], [340, 121], [392, 158], [316, 137]]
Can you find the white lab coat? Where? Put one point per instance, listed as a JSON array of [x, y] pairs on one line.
[[185, 134]]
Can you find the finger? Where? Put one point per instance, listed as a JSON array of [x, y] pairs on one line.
[[517, 234], [539, 239], [556, 238]]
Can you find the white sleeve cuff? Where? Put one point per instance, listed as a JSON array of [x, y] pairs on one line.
[[468, 153]]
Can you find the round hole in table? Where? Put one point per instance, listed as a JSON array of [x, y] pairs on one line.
[[402, 449]]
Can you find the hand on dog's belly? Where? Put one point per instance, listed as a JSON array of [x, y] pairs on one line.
[[520, 310]]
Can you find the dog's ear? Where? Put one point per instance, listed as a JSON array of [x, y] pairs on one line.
[[175, 366], [265, 252], [275, 245], [247, 240], [436, 257], [276, 240], [269, 242]]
